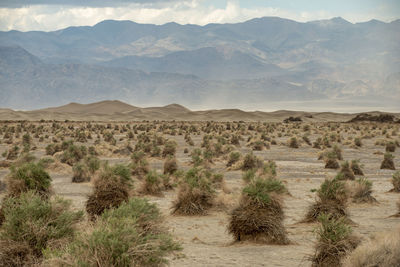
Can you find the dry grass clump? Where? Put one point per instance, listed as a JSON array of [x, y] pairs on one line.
[[81, 173], [139, 165], [396, 182], [382, 250], [331, 160], [346, 172], [387, 162], [196, 194], [170, 165], [130, 235], [251, 161], [293, 143], [361, 191], [259, 216], [356, 167], [152, 184], [28, 176], [331, 199], [233, 158], [390, 147], [335, 240], [31, 225], [110, 190]]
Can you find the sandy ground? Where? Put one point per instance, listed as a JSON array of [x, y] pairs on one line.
[[205, 240]]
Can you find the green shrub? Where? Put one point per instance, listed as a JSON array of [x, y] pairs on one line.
[[127, 236], [333, 189], [93, 163], [335, 240], [233, 158], [80, 173], [396, 181], [260, 189], [36, 223], [29, 176], [73, 154]]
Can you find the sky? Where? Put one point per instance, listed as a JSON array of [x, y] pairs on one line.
[[48, 15]]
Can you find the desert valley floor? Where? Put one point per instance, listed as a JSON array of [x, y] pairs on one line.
[[204, 238]]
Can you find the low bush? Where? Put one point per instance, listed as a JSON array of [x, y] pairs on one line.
[[130, 235], [110, 190], [32, 225], [28, 177], [196, 194], [387, 162], [259, 216], [331, 199], [335, 240]]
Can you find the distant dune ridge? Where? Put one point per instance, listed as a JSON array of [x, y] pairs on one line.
[[119, 111]]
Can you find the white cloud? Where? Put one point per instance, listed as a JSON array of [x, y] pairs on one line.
[[51, 17]]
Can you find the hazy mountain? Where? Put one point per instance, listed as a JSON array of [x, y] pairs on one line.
[[26, 82], [208, 63], [262, 60]]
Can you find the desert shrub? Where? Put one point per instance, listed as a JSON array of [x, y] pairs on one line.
[[331, 161], [317, 143], [233, 158], [346, 173], [29, 176], [356, 167], [80, 173], [92, 163], [110, 190], [293, 143], [258, 145], [169, 149], [130, 235], [396, 181], [13, 153], [382, 250], [46, 161], [390, 147], [338, 152], [197, 158], [361, 191], [357, 142], [335, 240], [195, 194], [170, 165], [249, 175], [73, 154], [259, 216], [387, 162], [152, 184], [331, 199], [31, 225], [140, 167], [251, 161], [51, 149]]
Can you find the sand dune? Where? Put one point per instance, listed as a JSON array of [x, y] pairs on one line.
[[120, 111]]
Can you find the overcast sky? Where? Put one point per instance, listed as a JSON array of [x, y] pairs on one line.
[[26, 15]]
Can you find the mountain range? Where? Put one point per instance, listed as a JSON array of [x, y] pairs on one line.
[[254, 63]]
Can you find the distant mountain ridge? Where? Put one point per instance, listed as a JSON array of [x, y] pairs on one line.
[[258, 61]]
